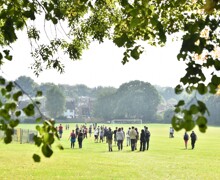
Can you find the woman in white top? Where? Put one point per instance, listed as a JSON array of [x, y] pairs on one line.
[[120, 137]]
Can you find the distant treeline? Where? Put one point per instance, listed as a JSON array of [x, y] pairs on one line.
[[135, 99]]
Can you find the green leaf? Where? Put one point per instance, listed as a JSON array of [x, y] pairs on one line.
[[2, 81], [177, 123], [9, 86], [39, 94], [135, 54], [189, 124], [177, 110], [29, 110], [48, 138], [181, 103], [54, 20], [120, 41], [46, 150], [217, 65], [210, 47], [202, 107], [202, 123], [17, 95], [135, 22], [36, 158], [10, 106], [37, 140], [14, 123], [37, 102], [202, 89], [215, 80], [8, 30], [5, 114], [194, 109], [8, 138], [29, 14], [38, 120], [178, 89], [17, 113], [3, 91], [212, 88]]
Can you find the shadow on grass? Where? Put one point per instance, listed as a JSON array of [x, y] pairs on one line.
[[123, 151], [186, 149]]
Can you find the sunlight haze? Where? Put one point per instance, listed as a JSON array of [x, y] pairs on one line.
[[101, 66]]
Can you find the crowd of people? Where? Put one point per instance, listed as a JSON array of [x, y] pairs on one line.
[[118, 136]]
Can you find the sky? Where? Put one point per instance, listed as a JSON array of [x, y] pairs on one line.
[[101, 65]]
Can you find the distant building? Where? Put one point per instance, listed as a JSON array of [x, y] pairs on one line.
[[25, 101], [84, 106], [70, 110]]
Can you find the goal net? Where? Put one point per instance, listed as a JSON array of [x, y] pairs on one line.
[[126, 121]]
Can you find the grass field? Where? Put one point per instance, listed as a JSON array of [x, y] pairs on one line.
[[166, 159]]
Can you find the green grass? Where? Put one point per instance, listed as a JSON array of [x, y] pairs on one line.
[[166, 159]]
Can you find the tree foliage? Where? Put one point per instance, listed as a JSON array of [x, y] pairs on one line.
[[55, 102], [135, 99], [124, 22], [105, 103], [213, 104], [28, 84]]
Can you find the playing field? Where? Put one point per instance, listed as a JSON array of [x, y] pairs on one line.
[[166, 159]]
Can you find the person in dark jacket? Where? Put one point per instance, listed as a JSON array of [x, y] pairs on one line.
[[142, 140], [186, 138], [109, 134], [147, 134], [80, 138], [193, 139]]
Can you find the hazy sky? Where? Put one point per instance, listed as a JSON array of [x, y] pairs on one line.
[[101, 66]]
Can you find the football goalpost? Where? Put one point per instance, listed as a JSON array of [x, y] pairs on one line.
[[126, 121]]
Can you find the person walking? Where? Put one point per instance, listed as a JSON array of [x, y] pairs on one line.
[[115, 131], [101, 136], [109, 134], [142, 140], [120, 138], [193, 139], [80, 138], [128, 137], [90, 130], [186, 138], [96, 135], [137, 138], [60, 129], [133, 135], [147, 134], [171, 132], [72, 138]]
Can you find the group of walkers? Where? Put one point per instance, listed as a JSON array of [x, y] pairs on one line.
[[78, 134], [132, 136], [118, 136], [193, 138]]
